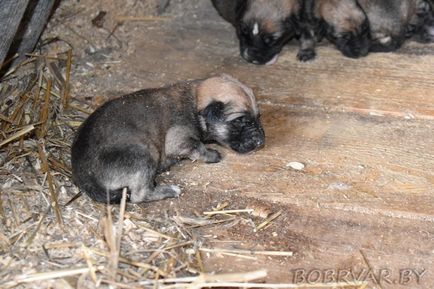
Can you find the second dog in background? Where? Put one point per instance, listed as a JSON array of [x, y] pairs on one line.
[[342, 22], [263, 27]]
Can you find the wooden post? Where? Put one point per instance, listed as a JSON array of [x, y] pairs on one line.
[[32, 25], [11, 13], [22, 23]]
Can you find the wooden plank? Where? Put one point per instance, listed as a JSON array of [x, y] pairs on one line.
[[369, 166], [11, 13], [34, 22]]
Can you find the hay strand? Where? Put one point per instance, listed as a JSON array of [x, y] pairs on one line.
[[45, 168], [249, 252], [67, 87], [268, 221], [25, 130]]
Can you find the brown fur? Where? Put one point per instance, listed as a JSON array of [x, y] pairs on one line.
[[126, 141], [344, 15], [392, 21], [227, 90], [343, 22], [270, 10]]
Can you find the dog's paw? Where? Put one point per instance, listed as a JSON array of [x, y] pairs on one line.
[[166, 191], [306, 55], [212, 156], [176, 191]]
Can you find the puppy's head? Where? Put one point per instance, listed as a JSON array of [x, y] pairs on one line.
[[229, 114], [265, 27], [345, 24]]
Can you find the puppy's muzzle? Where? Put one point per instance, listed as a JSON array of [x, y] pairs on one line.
[[250, 139], [258, 57]]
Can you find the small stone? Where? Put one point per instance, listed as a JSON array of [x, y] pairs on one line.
[[190, 251], [295, 166]]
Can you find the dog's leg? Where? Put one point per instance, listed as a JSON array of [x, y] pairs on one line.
[[166, 164], [148, 194], [200, 152], [307, 46], [160, 192]]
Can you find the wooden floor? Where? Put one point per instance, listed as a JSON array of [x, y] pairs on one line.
[[363, 128]]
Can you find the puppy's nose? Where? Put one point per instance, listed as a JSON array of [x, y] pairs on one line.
[[259, 142]]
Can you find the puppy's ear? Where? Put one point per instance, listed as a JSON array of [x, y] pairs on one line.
[[230, 10], [214, 112]]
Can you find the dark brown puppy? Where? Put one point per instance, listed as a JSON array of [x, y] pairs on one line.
[[342, 22], [263, 27], [125, 142], [393, 21]]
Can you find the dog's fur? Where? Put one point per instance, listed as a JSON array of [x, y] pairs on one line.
[[263, 27], [393, 21], [126, 141], [342, 22], [357, 27]]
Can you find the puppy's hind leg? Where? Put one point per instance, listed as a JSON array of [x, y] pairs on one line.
[[132, 166], [160, 192]]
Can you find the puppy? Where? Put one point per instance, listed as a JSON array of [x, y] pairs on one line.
[[126, 141], [263, 27], [342, 22], [393, 21]]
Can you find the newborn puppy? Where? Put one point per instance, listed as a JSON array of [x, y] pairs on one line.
[[127, 140], [263, 27], [342, 22], [393, 21]]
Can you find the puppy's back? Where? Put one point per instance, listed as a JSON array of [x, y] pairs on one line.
[[122, 141]]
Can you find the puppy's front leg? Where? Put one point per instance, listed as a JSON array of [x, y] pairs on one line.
[[307, 45], [184, 142], [200, 152]]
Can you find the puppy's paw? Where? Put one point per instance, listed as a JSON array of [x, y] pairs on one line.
[[176, 191], [306, 55], [164, 192], [212, 156]]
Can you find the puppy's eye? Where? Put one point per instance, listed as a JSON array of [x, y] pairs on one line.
[[268, 39], [244, 28]]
